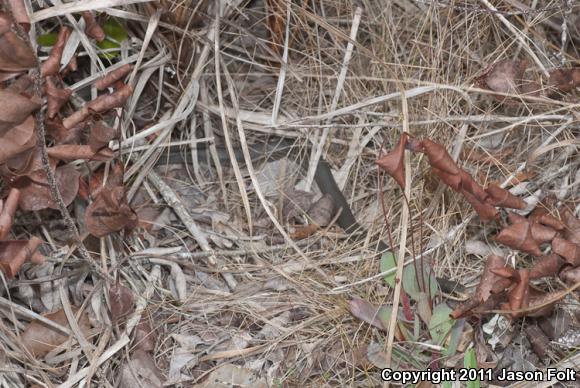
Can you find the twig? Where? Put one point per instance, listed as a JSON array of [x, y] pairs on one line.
[[402, 244]]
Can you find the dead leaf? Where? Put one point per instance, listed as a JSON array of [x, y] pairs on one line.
[[13, 254], [563, 80], [567, 249], [18, 139], [393, 162], [572, 230], [113, 76], [121, 302], [39, 339], [51, 66], [15, 109], [55, 97], [7, 211], [140, 371], [15, 54], [109, 212], [100, 104], [503, 198], [19, 13], [100, 135], [36, 193], [548, 265], [92, 28]]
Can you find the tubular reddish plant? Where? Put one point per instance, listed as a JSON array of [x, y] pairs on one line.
[[567, 249], [503, 198]]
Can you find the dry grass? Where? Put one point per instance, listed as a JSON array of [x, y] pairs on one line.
[[283, 313]]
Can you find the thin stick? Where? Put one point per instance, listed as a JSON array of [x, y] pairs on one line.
[[402, 247]]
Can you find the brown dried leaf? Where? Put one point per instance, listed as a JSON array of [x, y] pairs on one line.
[[113, 76], [393, 162], [518, 296], [92, 28], [109, 212], [18, 139], [15, 109], [15, 54], [140, 371], [100, 104], [485, 211], [145, 336], [519, 236], [36, 194], [100, 135], [13, 254], [572, 230], [121, 301], [19, 12], [439, 157], [490, 282], [453, 181], [7, 211], [567, 249], [570, 275], [547, 265], [55, 97], [40, 339], [51, 66], [503, 198]]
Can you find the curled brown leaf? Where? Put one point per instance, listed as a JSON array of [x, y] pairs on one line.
[[7, 211], [55, 97], [92, 28], [110, 212], [15, 109], [113, 76], [392, 163], [100, 104], [547, 265], [503, 198], [519, 236], [39, 339], [13, 254], [567, 249], [15, 54], [51, 66]]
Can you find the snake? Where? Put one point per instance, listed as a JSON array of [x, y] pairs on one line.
[[276, 149]]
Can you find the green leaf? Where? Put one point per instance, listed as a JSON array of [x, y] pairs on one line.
[[440, 323], [454, 338], [47, 40], [470, 361], [412, 284], [447, 384], [115, 34], [388, 262], [115, 30], [108, 44]]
